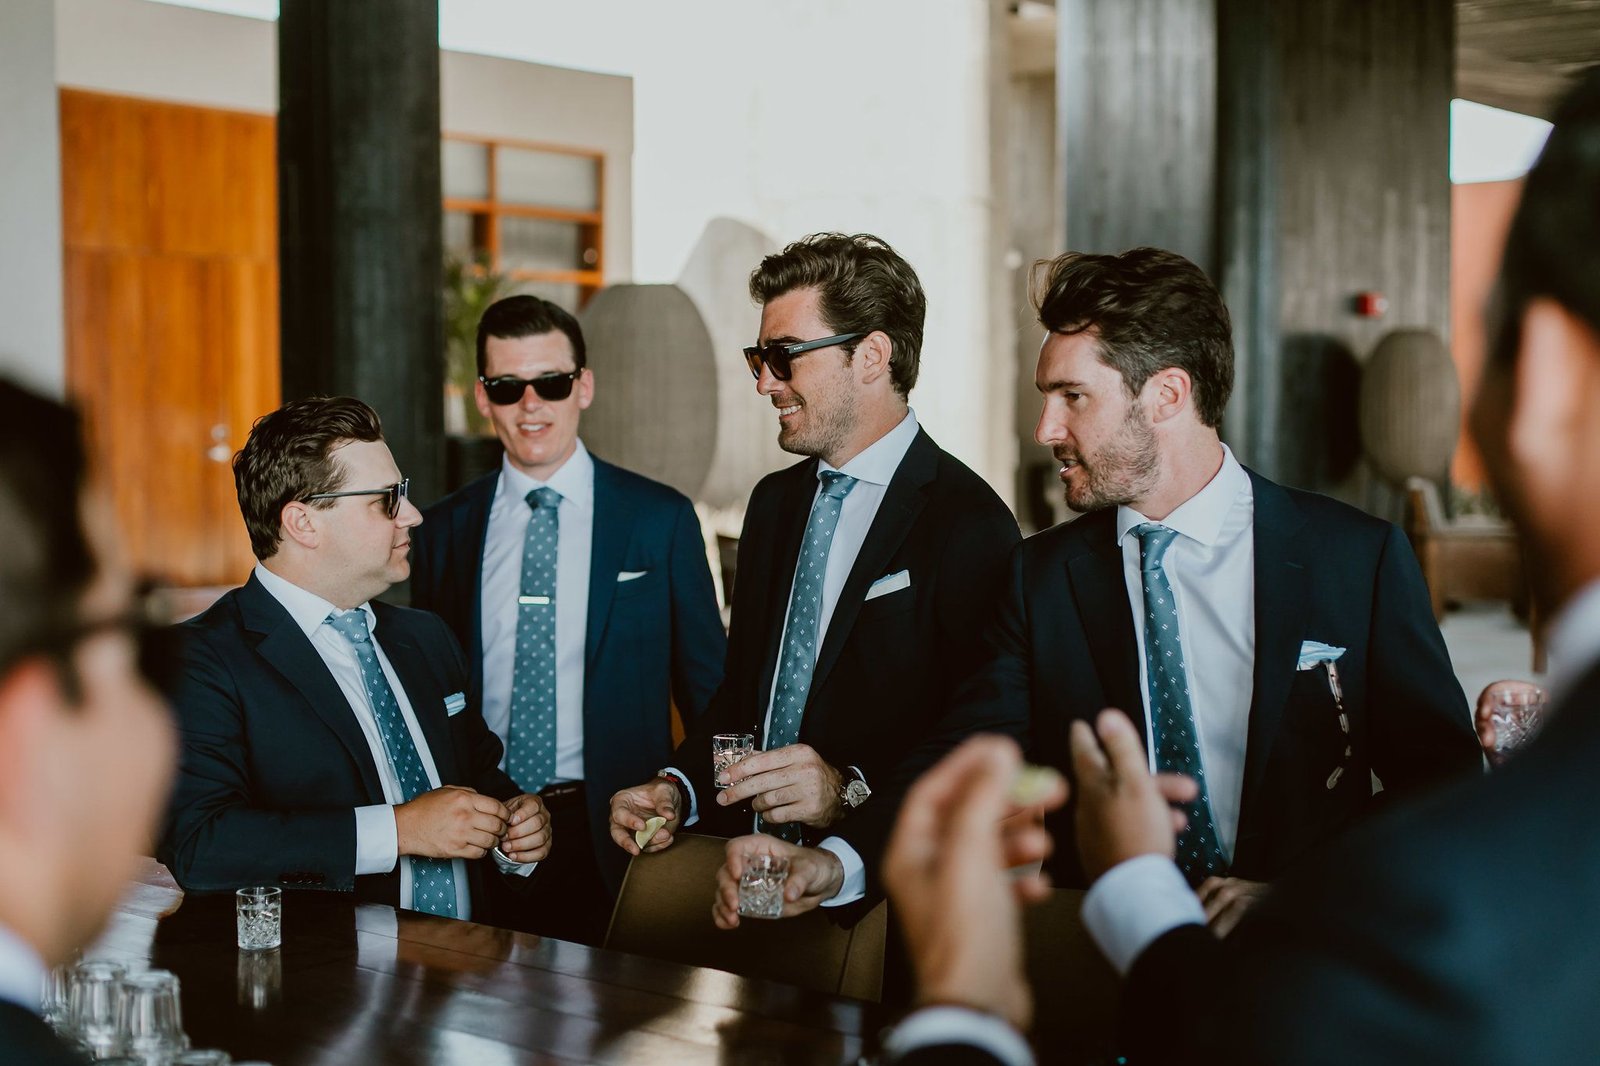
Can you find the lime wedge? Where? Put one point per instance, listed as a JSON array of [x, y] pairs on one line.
[[1033, 784], [642, 837]]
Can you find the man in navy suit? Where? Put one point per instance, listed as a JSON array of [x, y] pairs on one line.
[[584, 598], [329, 741], [864, 571], [86, 746]]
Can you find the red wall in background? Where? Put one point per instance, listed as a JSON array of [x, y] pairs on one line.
[[1480, 214]]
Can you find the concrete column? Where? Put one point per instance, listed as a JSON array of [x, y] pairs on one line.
[[359, 216], [32, 349]]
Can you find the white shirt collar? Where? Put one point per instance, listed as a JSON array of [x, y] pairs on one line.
[[21, 971], [574, 479], [1201, 516], [307, 609], [879, 460], [1574, 639]]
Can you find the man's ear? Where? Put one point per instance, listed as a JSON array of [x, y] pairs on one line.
[[1552, 412], [873, 354], [298, 523], [1170, 391]]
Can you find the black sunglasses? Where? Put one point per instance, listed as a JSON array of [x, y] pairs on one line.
[[503, 392], [396, 492], [778, 357]]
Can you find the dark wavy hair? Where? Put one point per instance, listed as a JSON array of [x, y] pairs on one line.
[[862, 284], [1149, 309], [289, 456], [528, 316]]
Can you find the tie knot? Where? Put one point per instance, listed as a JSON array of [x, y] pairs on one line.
[[545, 496], [835, 485], [352, 625], [1154, 540]]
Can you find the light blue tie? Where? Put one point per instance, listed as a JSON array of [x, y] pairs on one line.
[[1176, 738], [801, 635], [433, 881], [531, 745]]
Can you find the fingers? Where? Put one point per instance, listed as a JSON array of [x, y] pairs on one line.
[[485, 804], [1124, 746], [919, 835], [1228, 915], [1089, 763], [1022, 846], [1177, 788], [762, 762], [778, 797], [754, 785]]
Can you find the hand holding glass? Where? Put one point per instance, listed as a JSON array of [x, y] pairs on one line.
[[1517, 715], [761, 886], [727, 749]]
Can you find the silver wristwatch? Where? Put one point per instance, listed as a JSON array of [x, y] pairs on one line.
[[854, 791]]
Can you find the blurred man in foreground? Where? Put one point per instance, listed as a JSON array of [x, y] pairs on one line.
[[1457, 930], [86, 746]]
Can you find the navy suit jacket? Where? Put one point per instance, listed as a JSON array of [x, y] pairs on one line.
[[274, 761], [1064, 648], [886, 665], [651, 641]]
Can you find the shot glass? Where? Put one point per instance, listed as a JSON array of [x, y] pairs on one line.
[[761, 886], [93, 994], [53, 997], [727, 749], [1516, 715], [149, 1018], [260, 915]]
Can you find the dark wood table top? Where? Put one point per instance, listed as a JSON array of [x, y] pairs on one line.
[[364, 983]]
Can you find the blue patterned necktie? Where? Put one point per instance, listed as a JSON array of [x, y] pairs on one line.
[[801, 636], [531, 743], [433, 881], [1175, 736]]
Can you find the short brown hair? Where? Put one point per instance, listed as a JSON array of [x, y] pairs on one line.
[[862, 284], [521, 316], [1149, 309], [48, 562], [289, 457]]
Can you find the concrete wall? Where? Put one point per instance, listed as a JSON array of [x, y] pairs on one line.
[[31, 326], [164, 52]]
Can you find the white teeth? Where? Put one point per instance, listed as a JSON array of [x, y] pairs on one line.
[[531, 427], [788, 410]]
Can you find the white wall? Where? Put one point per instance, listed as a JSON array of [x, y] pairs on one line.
[[166, 52], [31, 316], [802, 115]]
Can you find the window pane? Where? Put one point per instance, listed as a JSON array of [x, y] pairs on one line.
[[465, 170], [458, 235], [543, 244], [548, 179], [558, 293]]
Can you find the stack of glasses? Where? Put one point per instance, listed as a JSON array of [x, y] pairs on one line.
[[116, 1017]]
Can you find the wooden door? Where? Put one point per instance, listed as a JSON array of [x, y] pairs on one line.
[[169, 219]]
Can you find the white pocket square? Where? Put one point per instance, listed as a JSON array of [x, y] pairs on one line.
[[1313, 653], [455, 703], [889, 583], [631, 575]]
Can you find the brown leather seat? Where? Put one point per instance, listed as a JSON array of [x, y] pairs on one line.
[[664, 911]]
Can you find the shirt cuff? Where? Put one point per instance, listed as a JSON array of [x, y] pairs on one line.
[[935, 1026], [517, 869], [1134, 904], [855, 873], [377, 839], [688, 789]]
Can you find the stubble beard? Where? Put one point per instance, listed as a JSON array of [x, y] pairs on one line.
[[1125, 469]]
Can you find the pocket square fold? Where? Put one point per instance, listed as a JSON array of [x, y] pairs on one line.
[[631, 575], [889, 583], [455, 703], [1314, 653]]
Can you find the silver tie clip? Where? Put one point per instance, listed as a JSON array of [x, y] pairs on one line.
[[538, 601]]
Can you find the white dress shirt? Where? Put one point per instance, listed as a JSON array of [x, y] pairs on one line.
[[501, 581], [21, 972], [1211, 566], [377, 835], [873, 469]]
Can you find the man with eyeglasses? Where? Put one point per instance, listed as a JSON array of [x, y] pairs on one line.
[[86, 746], [328, 739], [583, 596], [865, 572]]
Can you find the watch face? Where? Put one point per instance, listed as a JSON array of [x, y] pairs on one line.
[[856, 793]]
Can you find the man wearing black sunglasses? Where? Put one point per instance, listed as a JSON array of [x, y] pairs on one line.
[[86, 746], [582, 594], [328, 739], [864, 573]]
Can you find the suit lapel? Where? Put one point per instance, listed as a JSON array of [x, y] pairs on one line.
[[406, 655], [1100, 593], [472, 530], [1281, 593], [903, 501], [287, 649], [794, 510], [613, 528]]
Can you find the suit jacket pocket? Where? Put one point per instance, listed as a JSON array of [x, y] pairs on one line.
[[643, 585], [880, 607]]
